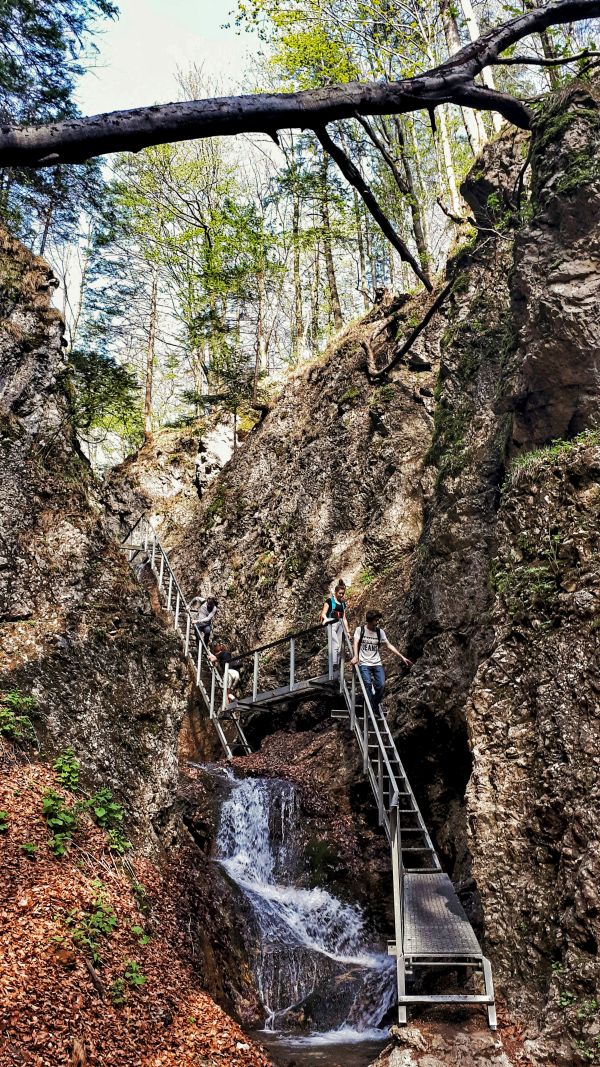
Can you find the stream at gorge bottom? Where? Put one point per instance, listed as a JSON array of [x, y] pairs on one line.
[[321, 1050], [326, 985]]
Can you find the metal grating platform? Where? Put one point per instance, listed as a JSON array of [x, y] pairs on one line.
[[435, 923]]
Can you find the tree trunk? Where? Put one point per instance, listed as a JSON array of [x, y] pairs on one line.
[[314, 301], [150, 357], [472, 119], [297, 328], [334, 296], [448, 162], [362, 272], [418, 222], [549, 52], [486, 74], [260, 359]]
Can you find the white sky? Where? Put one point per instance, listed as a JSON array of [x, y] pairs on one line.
[[141, 51]]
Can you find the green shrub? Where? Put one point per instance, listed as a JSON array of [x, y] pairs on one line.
[[105, 811], [67, 769], [14, 720], [29, 849], [133, 975], [62, 820], [3, 822], [89, 927]]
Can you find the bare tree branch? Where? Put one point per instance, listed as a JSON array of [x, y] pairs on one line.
[[353, 175], [377, 375], [543, 61], [74, 140]]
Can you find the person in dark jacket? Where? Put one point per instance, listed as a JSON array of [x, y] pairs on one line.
[[221, 657]]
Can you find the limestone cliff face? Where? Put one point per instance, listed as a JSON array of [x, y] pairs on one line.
[[77, 631], [484, 562]]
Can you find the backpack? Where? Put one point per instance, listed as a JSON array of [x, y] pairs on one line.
[[335, 613], [362, 634]]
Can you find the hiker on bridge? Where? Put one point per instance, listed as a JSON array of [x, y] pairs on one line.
[[334, 607], [205, 611], [223, 657], [368, 640]]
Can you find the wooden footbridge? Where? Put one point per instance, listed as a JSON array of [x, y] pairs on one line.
[[432, 931]]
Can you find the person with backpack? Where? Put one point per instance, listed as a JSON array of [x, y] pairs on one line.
[[334, 608], [205, 611], [368, 640]]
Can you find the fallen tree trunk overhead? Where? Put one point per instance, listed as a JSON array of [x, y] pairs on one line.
[[74, 140]]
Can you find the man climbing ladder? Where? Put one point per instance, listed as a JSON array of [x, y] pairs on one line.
[[368, 640]]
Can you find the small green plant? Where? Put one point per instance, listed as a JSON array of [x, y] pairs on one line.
[[117, 843], [3, 822], [566, 999], [14, 720], [142, 938], [141, 896], [133, 975], [350, 397], [117, 991], [62, 821], [105, 811], [88, 927], [588, 1008], [29, 849], [366, 577], [67, 769]]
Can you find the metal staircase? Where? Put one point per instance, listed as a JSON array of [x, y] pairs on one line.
[[432, 931], [143, 548]]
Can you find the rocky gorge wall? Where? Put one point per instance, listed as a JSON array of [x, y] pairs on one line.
[[439, 496]]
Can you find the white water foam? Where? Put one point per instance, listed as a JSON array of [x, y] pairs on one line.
[[312, 944]]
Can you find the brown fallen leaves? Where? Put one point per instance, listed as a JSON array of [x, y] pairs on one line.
[[52, 1011]]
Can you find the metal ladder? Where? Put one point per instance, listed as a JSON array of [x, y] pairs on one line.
[[142, 544], [431, 927]]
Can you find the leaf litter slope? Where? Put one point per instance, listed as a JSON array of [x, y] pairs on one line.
[[140, 1002]]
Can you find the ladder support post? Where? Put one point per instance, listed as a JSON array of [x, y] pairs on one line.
[[292, 662], [342, 665], [213, 682], [188, 624], [353, 702], [489, 990], [170, 593], [329, 652], [153, 552], [255, 677], [365, 739], [199, 661], [161, 570], [177, 602], [225, 686], [398, 887], [380, 786]]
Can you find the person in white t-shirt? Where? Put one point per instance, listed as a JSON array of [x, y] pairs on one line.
[[368, 640]]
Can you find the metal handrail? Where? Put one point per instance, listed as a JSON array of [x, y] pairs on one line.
[[284, 640], [179, 607]]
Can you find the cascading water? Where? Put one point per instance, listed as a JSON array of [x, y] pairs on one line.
[[314, 966]]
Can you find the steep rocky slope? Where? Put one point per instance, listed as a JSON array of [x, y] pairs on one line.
[[87, 665], [482, 553], [78, 634]]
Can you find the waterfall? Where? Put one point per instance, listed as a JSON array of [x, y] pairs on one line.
[[315, 965]]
